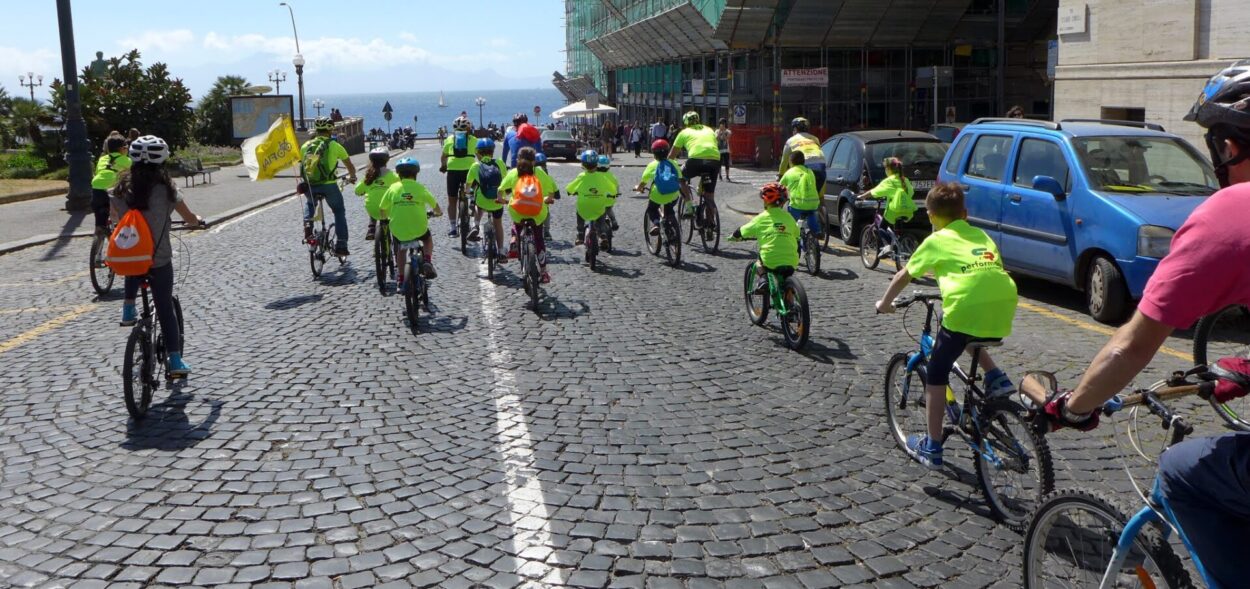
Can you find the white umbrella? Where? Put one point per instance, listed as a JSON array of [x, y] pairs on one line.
[[579, 109]]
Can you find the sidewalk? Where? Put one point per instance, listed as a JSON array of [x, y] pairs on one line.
[[34, 222]]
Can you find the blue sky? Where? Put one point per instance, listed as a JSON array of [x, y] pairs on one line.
[[375, 46]]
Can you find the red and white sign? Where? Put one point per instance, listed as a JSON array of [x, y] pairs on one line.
[[817, 76]]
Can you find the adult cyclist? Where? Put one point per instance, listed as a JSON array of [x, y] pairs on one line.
[[809, 145], [458, 157], [322, 180], [1205, 482], [702, 157]]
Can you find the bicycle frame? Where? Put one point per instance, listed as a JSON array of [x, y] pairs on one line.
[[775, 292]]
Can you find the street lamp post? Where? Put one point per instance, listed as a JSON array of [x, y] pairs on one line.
[[28, 81], [318, 104], [77, 148], [277, 77], [298, 62], [480, 102]]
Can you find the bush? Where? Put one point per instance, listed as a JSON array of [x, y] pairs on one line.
[[209, 154], [22, 165], [57, 174]]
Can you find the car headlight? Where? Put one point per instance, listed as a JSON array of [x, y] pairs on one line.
[[1154, 241]]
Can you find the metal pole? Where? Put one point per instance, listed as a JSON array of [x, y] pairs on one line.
[[1000, 87], [77, 148], [299, 74], [935, 95]]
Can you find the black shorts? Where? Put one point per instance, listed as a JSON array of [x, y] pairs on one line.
[[818, 169], [456, 180], [724, 159], [708, 169], [946, 350]]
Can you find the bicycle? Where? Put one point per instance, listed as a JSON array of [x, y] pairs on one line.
[[809, 249], [784, 293], [875, 236], [668, 240], [383, 255], [1081, 538], [1225, 333], [489, 249], [530, 273], [598, 236], [102, 276], [705, 221], [322, 242], [465, 209], [416, 286], [995, 429]]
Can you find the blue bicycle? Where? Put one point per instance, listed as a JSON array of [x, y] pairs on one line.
[[1081, 538]]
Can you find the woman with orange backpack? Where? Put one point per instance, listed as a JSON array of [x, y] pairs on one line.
[[146, 188], [528, 190]]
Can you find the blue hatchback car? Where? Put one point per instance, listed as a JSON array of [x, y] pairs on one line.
[[1091, 204]]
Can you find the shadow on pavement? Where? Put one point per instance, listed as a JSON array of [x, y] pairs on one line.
[[737, 254], [551, 309], [696, 267], [166, 425], [616, 272], [345, 276], [293, 302], [838, 274], [66, 234], [823, 353], [624, 254], [444, 323]]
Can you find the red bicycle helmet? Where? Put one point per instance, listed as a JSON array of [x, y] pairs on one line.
[[659, 145], [773, 193]]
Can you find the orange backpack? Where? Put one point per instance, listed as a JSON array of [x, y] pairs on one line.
[[527, 196], [130, 247]]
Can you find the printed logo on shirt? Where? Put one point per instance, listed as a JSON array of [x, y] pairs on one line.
[[985, 260], [983, 253], [781, 228]]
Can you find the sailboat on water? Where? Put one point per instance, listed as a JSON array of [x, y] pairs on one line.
[[442, 100]]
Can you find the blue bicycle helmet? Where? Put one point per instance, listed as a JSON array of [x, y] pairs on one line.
[[590, 157], [486, 144], [540, 159], [408, 163], [605, 162]]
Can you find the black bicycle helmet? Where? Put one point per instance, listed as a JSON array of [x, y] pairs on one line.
[[800, 124], [1224, 109], [520, 118]]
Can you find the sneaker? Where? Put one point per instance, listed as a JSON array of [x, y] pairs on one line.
[[546, 278], [369, 234], [997, 385], [514, 251], [341, 250], [655, 230], [178, 368], [761, 286], [689, 212], [501, 259], [925, 451], [475, 234], [547, 235], [428, 271], [308, 232], [579, 241], [615, 226], [887, 250], [130, 315], [453, 232], [399, 284]]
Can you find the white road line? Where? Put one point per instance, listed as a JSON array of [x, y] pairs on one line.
[[220, 228], [527, 512]]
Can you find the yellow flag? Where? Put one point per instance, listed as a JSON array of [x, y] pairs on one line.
[[272, 151]]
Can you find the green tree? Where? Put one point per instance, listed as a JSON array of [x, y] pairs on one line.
[[25, 116], [212, 114], [7, 133], [126, 95]]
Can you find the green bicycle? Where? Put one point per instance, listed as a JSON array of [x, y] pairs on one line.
[[783, 292]]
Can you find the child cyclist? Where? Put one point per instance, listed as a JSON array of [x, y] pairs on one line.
[[377, 179], [605, 167], [800, 182], [898, 193], [405, 204], [665, 181], [529, 190], [107, 168], [485, 177], [777, 233], [978, 301], [594, 190]]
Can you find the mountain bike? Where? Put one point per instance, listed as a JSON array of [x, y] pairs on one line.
[[667, 240], [598, 236], [416, 286], [383, 255], [465, 208], [1082, 538], [705, 219], [490, 249], [809, 249], [101, 275], [1013, 462], [875, 237], [782, 291], [323, 242], [531, 276], [1225, 333]]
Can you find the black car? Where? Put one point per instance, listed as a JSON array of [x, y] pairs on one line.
[[853, 164], [558, 143]]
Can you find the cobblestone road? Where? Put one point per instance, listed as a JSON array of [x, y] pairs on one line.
[[638, 433]]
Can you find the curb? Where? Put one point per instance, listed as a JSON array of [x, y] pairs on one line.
[[21, 244], [31, 195], [741, 210]]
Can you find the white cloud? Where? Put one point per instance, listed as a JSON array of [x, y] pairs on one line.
[[16, 62], [409, 37], [159, 41], [343, 53], [499, 42]]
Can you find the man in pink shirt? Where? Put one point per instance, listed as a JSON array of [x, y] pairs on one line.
[[1205, 481]]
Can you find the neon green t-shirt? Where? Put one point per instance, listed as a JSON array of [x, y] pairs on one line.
[[594, 192], [699, 142], [549, 189], [374, 192], [616, 185], [107, 168], [484, 202], [778, 236], [656, 196], [978, 297], [459, 164], [898, 194], [806, 143], [335, 153], [800, 182], [406, 203]]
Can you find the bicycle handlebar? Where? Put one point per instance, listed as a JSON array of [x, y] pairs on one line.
[[916, 297]]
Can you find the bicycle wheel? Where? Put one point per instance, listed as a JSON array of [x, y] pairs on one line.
[[828, 227], [672, 242], [1222, 334], [1012, 463], [591, 239], [654, 242], [811, 253], [317, 253], [869, 247], [757, 304], [534, 278], [1070, 539], [412, 298], [904, 400], [906, 246], [492, 254], [796, 323], [379, 259], [464, 225], [691, 227], [101, 275], [711, 230], [137, 378]]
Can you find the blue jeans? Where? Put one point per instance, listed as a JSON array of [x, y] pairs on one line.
[[1206, 485], [334, 198], [813, 218]]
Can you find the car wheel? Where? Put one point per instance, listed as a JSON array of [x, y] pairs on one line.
[[1105, 292], [848, 229]]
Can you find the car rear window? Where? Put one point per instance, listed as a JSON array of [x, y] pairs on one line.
[[921, 159], [557, 136]]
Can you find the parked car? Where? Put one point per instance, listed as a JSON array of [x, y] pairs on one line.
[[947, 131], [853, 164], [559, 143], [1091, 204]]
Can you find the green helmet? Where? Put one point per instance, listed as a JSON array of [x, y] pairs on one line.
[[690, 119]]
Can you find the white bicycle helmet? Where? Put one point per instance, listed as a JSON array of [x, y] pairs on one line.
[[460, 124], [149, 149]]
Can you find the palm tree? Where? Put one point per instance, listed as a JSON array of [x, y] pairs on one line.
[[25, 117], [212, 126]]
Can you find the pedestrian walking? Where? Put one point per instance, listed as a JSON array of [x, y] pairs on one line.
[[722, 142], [635, 140]]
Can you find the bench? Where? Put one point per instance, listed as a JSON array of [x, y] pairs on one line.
[[190, 169]]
